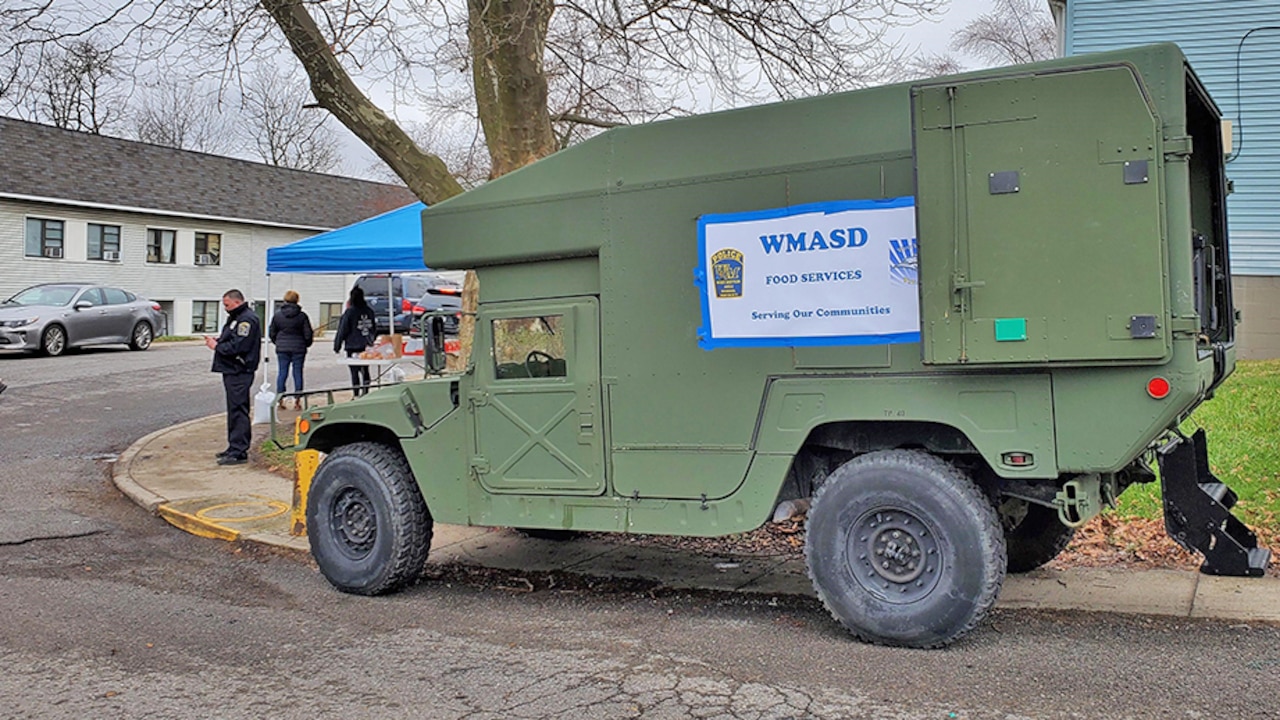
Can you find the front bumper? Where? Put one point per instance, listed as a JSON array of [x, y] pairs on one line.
[[23, 338]]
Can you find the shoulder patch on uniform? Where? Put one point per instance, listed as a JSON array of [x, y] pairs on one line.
[[243, 329]]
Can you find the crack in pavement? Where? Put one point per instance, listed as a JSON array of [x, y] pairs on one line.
[[39, 538]]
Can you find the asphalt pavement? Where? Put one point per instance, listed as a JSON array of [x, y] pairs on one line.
[[172, 473]]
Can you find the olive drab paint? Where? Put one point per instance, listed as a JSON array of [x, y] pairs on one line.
[[1007, 319]]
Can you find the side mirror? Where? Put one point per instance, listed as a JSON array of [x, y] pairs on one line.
[[433, 344], [82, 305]]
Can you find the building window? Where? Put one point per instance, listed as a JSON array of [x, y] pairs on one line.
[[160, 246], [330, 314], [44, 238], [104, 242], [204, 316], [208, 248]]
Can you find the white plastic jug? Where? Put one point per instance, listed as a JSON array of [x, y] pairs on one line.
[[262, 403]]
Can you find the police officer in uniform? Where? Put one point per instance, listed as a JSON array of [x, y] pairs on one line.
[[235, 355]]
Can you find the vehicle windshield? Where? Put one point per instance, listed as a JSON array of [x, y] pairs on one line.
[[44, 295]]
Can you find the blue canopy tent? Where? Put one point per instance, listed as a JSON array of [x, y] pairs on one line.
[[390, 242], [386, 243]]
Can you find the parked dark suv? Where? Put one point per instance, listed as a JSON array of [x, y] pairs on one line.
[[405, 290], [444, 302]]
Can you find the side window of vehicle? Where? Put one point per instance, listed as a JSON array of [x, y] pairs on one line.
[[415, 288], [115, 296], [93, 295], [529, 347]]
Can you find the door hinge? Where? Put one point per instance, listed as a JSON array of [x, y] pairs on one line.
[[480, 465], [1178, 147]]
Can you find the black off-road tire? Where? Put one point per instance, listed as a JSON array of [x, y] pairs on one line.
[[53, 341], [368, 525], [904, 549], [141, 337], [1037, 539]]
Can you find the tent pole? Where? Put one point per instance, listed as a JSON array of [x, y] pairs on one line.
[[266, 310], [391, 306]]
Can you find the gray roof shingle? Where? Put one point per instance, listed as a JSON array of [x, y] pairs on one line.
[[48, 162]]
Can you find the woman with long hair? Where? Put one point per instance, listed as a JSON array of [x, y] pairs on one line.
[[356, 333]]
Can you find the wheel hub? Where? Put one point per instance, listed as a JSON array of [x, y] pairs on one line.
[[894, 554], [354, 522]]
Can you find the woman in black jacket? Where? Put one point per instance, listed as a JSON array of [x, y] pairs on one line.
[[356, 332], [291, 333]]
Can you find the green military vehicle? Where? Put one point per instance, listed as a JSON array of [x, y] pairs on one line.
[[958, 316]]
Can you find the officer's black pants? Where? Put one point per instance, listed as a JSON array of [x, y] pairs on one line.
[[239, 427]]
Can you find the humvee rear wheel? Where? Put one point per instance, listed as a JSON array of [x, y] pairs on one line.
[[904, 549], [1033, 534], [367, 523]]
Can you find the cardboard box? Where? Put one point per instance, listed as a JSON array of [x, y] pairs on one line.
[[396, 343]]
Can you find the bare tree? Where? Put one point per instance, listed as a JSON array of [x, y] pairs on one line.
[[180, 115], [1014, 32], [601, 62], [283, 126], [77, 89]]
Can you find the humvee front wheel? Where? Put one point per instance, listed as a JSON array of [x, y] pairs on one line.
[[1033, 534], [904, 549], [367, 523]]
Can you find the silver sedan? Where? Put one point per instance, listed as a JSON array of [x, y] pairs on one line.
[[55, 317]]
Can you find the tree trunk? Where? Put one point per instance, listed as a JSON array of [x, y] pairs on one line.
[[424, 173], [508, 40]]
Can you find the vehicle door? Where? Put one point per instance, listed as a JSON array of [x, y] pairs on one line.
[[86, 324], [119, 315], [536, 407]]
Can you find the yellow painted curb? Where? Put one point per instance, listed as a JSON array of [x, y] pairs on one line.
[[196, 525]]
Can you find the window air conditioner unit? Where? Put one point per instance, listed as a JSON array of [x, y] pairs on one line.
[[112, 255], [204, 259], [53, 252]]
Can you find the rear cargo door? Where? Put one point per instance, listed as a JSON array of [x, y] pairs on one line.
[[1040, 219], [536, 407]]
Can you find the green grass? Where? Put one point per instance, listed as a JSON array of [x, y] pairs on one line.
[[1242, 422], [277, 459], [175, 338]]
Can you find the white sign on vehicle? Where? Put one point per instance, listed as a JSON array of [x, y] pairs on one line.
[[834, 273]]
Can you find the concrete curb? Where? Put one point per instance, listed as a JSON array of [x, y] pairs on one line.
[[122, 475]]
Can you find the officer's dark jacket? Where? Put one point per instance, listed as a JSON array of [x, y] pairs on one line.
[[240, 345], [290, 329], [355, 329]]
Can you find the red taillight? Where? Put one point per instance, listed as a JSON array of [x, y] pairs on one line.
[[418, 310], [156, 307], [1158, 388], [405, 304], [448, 291]]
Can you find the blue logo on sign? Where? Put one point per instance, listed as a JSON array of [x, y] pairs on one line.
[[903, 265]]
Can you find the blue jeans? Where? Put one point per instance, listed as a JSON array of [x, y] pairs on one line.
[[286, 360]]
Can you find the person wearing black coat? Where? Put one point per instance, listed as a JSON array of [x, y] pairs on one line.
[[235, 356], [356, 332], [290, 331]]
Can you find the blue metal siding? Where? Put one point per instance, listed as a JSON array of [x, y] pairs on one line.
[[1209, 32]]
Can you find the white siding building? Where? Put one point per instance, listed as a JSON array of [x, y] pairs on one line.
[[178, 227]]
